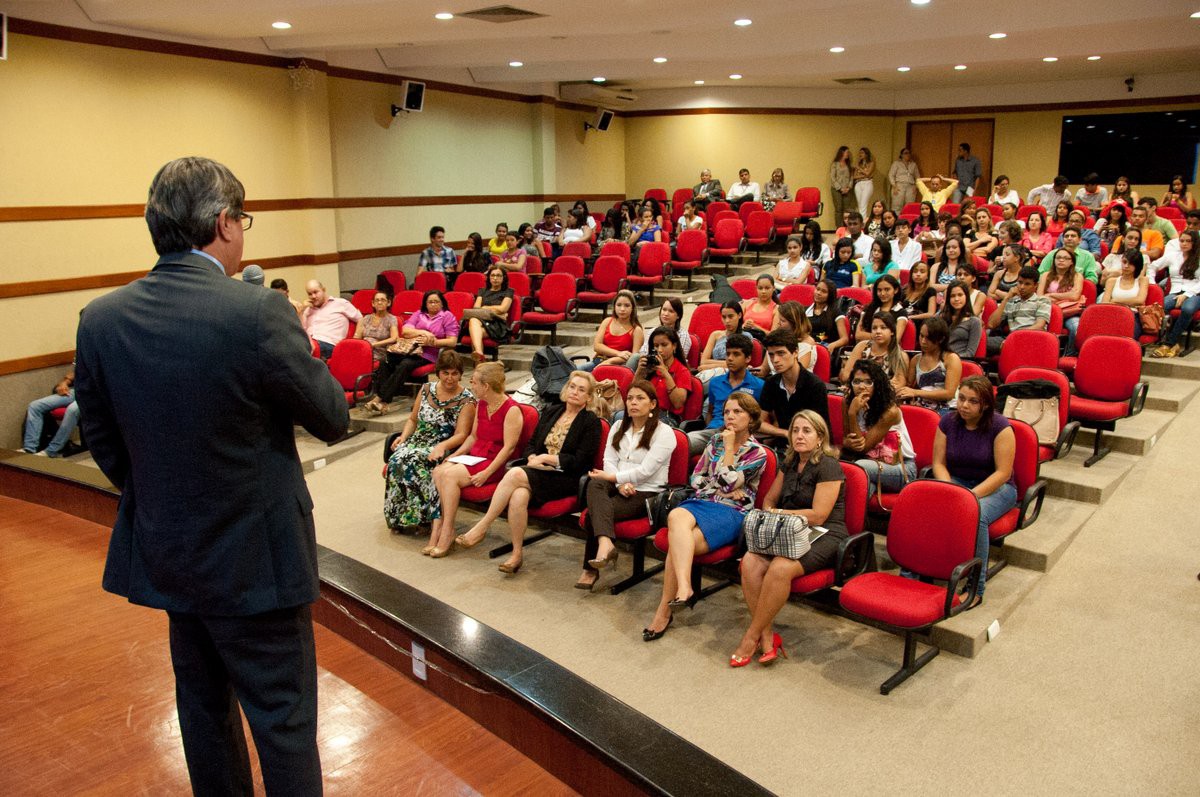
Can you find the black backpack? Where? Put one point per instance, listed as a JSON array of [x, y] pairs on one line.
[[551, 369], [721, 291]]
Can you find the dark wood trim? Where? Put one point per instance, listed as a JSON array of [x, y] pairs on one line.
[[1107, 105], [68, 487], [430, 85], [759, 112], [12, 290], [33, 363]]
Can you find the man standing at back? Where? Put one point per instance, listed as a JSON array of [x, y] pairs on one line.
[[189, 384]]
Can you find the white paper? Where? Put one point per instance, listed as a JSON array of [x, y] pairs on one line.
[[467, 459]]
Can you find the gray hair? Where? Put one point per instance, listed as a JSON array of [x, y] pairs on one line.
[[186, 196]]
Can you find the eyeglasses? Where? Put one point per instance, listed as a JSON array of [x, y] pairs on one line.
[[247, 220], [863, 382]]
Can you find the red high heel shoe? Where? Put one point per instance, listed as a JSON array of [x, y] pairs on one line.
[[775, 652], [738, 661]]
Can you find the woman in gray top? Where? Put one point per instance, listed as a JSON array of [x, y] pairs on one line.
[[966, 328]]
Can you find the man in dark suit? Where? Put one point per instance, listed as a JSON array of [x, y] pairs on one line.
[[189, 384], [707, 190]]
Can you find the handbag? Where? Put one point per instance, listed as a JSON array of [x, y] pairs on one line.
[[661, 504], [773, 534], [1040, 413], [404, 346], [1151, 316], [479, 313]]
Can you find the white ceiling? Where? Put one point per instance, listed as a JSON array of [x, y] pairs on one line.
[[786, 46]]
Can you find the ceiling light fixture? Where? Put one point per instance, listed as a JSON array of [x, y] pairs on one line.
[[735, 77], [660, 60], [920, 2], [598, 79], [743, 23], [997, 35], [1196, 15], [444, 15], [1093, 58], [281, 25], [1050, 59], [516, 63], [698, 82], [960, 67], [838, 49], [904, 69]]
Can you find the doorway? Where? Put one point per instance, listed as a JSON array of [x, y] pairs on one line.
[[934, 146]]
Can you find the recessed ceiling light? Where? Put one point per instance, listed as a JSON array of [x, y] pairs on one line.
[[1196, 15], [735, 77], [698, 82], [838, 49], [516, 63], [997, 35], [960, 67], [742, 23], [660, 60], [920, 2], [1169, 113], [281, 25], [903, 69], [1050, 59], [443, 15], [598, 79], [1091, 127], [1093, 58], [1112, 131]]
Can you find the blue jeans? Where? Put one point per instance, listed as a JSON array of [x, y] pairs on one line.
[[326, 349], [1072, 326], [35, 418], [892, 478], [1188, 308], [991, 508]]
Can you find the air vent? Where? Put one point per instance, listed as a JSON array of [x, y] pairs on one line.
[[501, 14], [855, 81]]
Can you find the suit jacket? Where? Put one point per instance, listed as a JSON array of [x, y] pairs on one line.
[[190, 383], [710, 191], [578, 454]]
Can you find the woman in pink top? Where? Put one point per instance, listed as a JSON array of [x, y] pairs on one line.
[[429, 330], [1038, 240], [758, 314]]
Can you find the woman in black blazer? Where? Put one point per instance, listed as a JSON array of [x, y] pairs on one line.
[[560, 453]]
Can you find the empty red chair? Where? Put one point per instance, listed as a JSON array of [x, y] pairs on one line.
[[394, 279], [822, 365], [619, 248], [797, 293], [756, 356], [971, 368], [714, 208], [429, 281], [1067, 429], [786, 216], [690, 251], [746, 208], [1108, 387], [910, 211], [352, 364], [935, 545], [568, 264], [860, 295], [471, 282], [659, 194], [607, 277], [652, 260], [727, 240], [458, 301], [556, 299], [680, 196], [922, 425], [811, 205], [760, 231], [1098, 319], [856, 553], [579, 249], [520, 284], [705, 320], [405, 304], [951, 208], [362, 301], [1031, 491], [1030, 347], [619, 374], [746, 288], [483, 495]]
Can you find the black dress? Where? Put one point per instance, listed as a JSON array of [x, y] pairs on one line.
[[799, 487], [576, 457], [496, 329]]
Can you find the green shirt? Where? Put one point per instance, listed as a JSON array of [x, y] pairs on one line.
[[1165, 227]]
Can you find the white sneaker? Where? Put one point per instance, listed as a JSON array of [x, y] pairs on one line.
[[42, 453]]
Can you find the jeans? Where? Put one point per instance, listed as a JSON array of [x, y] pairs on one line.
[[892, 478], [35, 417], [1072, 326], [1188, 305], [991, 508], [326, 349]]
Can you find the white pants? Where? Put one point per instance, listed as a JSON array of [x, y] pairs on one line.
[[863, 191]]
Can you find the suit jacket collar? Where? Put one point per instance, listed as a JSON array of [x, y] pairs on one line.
[[189, 259]]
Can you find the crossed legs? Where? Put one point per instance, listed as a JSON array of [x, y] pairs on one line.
[[766, 585], [512, 493]]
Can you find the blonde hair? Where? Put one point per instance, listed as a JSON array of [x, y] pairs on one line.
[[591, 388], [492, 375], [822, 430]]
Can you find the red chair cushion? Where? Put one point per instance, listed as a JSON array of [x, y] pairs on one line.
[[1087, 409], [1045, 453], [556, 508], [479, 495], [902, 602], [1005, 524], [813, 582], [596, 297], [543, 319]]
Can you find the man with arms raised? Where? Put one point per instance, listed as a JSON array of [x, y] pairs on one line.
[[189, 384]]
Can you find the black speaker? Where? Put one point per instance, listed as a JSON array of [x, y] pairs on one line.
[[602, 121], [414, 96]]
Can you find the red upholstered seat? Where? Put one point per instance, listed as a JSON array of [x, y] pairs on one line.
[[1098, 319], [557, 300], [471, 282], [860, 295], [1108, 386], [785, 216], [902, 602], [622, 375], [855, 500], [746, 288], [362, 301], [1028, 347], [798, 293], [1067, 428], [568, 264], [727, 239], [483, 493], [458, 301], [689, 253], [811, 205], [579, 249], [618, 248], [746, 208], [678, 198], [922, 425], [651, 265], [1154, 295], [351, 364], [607, 277], [429, 281], [405, 304], [705, 320], [760, 230], [1097, 409]]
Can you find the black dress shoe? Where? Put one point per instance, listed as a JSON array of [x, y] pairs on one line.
[[650, 636]]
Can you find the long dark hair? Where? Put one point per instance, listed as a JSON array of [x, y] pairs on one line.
[[954, 317], [814, 251], [676, 305], [883, 397], [928, 220], [937, 332], [651, 422], [987, 399], [1188, 269], [873, 308], [478, 259], [829, 314], [672, 336], [842, 150], [737, 308]]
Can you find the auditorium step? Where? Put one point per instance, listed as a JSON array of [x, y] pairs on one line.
[[569, 333], [1177, 367], [1039, 547], [1136, 435], [1068, 478], [967, 633], [1169, 393]]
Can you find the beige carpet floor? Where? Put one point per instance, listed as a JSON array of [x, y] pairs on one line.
[[1090, 688]]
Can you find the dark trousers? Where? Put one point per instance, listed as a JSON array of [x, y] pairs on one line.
[[605, 507], [394, 372], [266, 663]]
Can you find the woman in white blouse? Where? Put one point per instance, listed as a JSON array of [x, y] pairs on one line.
[[637, 458], [793, 269]]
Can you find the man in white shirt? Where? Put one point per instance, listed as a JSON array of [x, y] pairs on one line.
[[854, 231], [326, 318], [743, 190], [905, 251], [1003, 193], [1050, 194]]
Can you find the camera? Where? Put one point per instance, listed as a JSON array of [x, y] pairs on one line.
[[651, 361]]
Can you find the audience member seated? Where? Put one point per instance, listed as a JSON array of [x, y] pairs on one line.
[[670, 315], [743, 191], [966, 274], [844, 271], [637, 457], [489, 317], [423, 336], [645, 230], [707, 190], [906, 252], [1003, 193], [662, 367], [527, 238], [726, 483], [1153, 244], [933, 375], [380, 328], [883, 349], [1171, 252], [975, 446], [926, 220], [1059, 217], [712, 358], [1122, 192], [736, 379], [794, 268], [787, 391], [1013, 257], [689, 219], [1154, 221], [1037, 238], [776, 190], [965, 327], [281, 286], [954, 254], [657, 209], [442, 416], [619, 335], [548, 228], [1178, 196], [326, 318], [885, 298], [35, 418], [1022, 308], [888, 228], [1112, 225], [759, 312], [879, 262], [497, 246], [477, 257], [493, 438], [1184, 295], [790, 316], [1114, 264], [936, 190], [874, 219], [986, 237], [437, 256], [858, 239], [560, 453], [576, 230], [917, 299], [1050, 194], [582, 207], [875, 431], [810, 484], [1092, 196], [828, 328], [514, 256], [1130, 287]]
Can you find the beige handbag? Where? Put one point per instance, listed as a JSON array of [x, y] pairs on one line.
[[1040, 413]]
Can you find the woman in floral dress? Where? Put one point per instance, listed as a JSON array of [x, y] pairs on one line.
[[441, 418]]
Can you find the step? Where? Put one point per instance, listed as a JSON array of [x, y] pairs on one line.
[[568, 333], [1169, 393], [1068, 478], [1039, 547], [1187, 367], [967, 634], [1136, 435]]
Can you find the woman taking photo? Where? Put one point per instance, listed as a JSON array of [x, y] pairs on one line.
[[793, 268], [883, 349], [670, 315], [441, 418], [875, 430], [424, 335], [726, 483], [758, 313], [493, 438], [494, 302], [562, 450], [1130, 288], [975, 446], [619, 335], [864, 180], [1178, 196], [965, 328], [810, 484], [828, 328], [885, 298], [670, 377], [1063, 286], [935, 372], [637, 458]]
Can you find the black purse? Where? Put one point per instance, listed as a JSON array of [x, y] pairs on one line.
[[659, 506]]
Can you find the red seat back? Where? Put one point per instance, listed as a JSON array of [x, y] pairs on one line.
[[822, 365], [759, 224], [860, 295], [836, 429], [1168, 212], [705, 320], [746, 288], [680, 196], [652, 257], [429, 281], [362, 301], [618, 373], [718, 217], [913, 208], [580, 249], [619, 248], [471, 282], [922, 425], [406, 303], [656, 193], [690, 246], [728, 234], [1025, 211], [608, 273], [933, 543], [458, 301], [568, 264], [785, 214], [756, 357], [1108, 369], [520, 284], [529, 422], [1026, 461], [693, 405], [767, 478], [952, 209], [694, 350], [746, 208], [1033, 347], [714, 208], [810, 200], [908, 338], [396, 279], [1104, 319], [351, 359], [797, 293], [533, 264], [855, 497], [971, 368], [556, 292], [1088, 293]]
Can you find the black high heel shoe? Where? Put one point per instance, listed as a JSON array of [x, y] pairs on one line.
[[650, 636]]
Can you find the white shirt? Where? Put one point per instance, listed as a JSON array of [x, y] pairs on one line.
[[740, 189], [1171, 260], [645, 468], [697, 223], [1011, 197], [862, 247], [906, 256], [1047, 197], [793, 273]]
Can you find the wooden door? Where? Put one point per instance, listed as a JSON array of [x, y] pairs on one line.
[[934, 147]]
